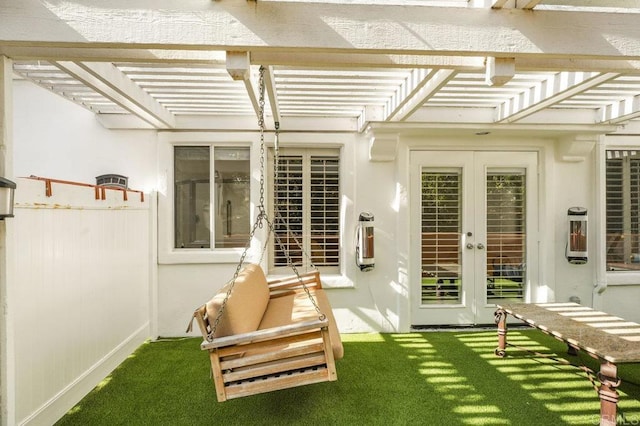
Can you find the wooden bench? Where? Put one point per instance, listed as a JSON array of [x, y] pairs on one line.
[[270, 335], [607, 338]]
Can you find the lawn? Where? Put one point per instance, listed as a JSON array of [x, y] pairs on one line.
[[429, 378]]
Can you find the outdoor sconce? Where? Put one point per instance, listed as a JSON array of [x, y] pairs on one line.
[[576, 250], [7, 188]]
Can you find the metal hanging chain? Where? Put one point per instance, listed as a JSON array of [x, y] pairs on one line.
[[262, 216]]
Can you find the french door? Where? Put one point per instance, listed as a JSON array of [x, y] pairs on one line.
[[474, 234]]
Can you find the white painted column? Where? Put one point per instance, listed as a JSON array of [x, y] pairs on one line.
[[600, 228], [7, 358]]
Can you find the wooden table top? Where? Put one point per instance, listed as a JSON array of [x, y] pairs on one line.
[[606, 336]]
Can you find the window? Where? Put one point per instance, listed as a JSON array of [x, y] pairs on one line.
[[623, 222], [306, 195], [201, 207]]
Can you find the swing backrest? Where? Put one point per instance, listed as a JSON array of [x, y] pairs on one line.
[[244, 307]]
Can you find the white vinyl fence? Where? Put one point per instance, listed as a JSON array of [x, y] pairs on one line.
[[80, 295]]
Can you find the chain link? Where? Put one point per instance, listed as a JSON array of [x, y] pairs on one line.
[[263, 217]]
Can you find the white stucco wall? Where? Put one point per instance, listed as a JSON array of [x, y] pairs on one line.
[[574, 185], [58, 139]]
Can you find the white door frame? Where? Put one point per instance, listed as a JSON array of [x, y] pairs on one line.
[[472, 309]]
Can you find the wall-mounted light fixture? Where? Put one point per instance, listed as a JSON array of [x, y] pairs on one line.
[[7, 189]]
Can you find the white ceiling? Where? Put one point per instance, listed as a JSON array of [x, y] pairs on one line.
[[165, 94]]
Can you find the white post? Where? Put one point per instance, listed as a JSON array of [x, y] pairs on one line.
[[600, 228], [7, 356]]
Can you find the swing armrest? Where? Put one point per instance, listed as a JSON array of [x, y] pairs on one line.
[[266, 334], [311, 280]]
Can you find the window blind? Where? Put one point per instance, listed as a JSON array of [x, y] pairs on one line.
[[441, 226], [506, 238], [307, 196], [622, 210]]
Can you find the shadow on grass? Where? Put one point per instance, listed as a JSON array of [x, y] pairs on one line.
[[439, 378]]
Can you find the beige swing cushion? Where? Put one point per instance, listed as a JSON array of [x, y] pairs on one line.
[[245, 306], [296, 307]]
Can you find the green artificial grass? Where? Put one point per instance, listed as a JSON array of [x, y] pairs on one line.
[[430, 378]]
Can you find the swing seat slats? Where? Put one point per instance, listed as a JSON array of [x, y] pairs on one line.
[[291, 346], [252, 370], [268, 384]]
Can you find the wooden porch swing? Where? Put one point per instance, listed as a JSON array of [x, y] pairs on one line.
[[266, 335]]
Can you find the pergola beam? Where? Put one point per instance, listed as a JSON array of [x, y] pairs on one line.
[[110, 82], [555, 89], [328, 60], [270, 85], [239, 68], [321, 27], [499, 71], [407, 90]]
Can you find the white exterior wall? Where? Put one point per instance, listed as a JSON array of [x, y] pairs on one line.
[[574, 185], [80, 298], [55, 138]]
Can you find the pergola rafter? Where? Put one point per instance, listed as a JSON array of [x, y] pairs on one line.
[[110, 82], [552, 90], [416, 92], [621, 111]]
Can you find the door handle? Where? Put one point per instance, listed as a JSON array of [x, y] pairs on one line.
[[480, 246], [469, 246]]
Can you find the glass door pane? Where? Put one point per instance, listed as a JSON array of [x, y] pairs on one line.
[[441, 235], [506, 236]]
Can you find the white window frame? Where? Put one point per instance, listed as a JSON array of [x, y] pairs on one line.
[[167, 252], [629, 277]]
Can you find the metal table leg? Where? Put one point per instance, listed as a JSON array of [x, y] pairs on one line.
[[609, 381]]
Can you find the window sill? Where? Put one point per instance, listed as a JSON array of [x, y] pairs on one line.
[[623, 278], [336, 281], [329, 281]]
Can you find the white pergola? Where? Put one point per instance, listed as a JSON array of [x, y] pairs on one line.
[[335, 65]]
